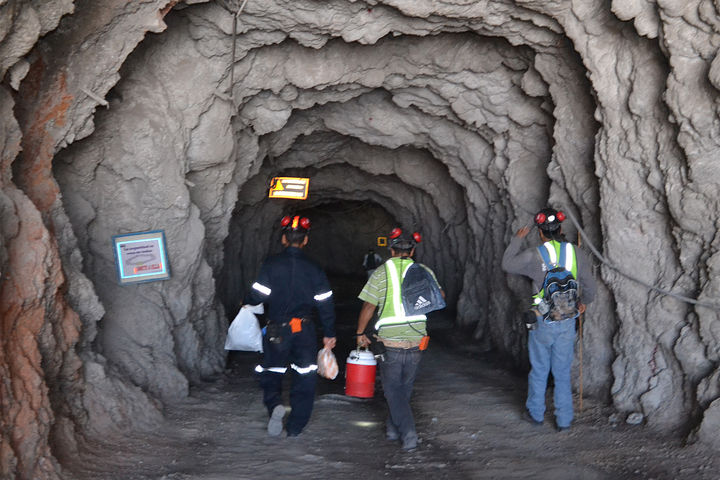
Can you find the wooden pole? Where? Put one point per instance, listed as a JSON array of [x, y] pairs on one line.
[[581, 343], [581, 362]]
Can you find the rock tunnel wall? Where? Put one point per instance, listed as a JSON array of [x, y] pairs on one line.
[[461, 119]]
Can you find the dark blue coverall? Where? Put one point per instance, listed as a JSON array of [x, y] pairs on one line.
[[291, 286]]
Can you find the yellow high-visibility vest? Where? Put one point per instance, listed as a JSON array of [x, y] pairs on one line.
[[393, 312]]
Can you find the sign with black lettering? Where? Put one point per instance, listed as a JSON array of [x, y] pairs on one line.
[[141, 257], [289, 187]]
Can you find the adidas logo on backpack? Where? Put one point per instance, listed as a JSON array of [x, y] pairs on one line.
[[421, 302]]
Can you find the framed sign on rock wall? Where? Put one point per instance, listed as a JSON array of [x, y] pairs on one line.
[[141, 257]]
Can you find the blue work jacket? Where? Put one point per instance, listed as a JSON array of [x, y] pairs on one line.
[[291, 285]]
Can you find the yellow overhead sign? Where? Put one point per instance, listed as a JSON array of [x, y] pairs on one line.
[[289, 187]]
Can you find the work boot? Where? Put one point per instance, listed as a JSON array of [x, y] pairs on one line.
[[529, 418], [275, 424], [410, 442], [391, 433]]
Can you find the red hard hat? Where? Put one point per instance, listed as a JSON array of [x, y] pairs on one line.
[[295, 222], [548, 219]]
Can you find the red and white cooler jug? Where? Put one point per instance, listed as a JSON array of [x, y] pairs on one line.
[[360, 374]]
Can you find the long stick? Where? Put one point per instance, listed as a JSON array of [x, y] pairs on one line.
[[581, 362], [581, 344]]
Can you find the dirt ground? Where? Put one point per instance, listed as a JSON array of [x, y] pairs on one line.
[[468, 418]]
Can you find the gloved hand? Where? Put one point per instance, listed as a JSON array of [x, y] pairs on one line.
[[530, 319]]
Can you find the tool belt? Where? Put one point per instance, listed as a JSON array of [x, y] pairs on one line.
[[404, 344], [274, 329], [289, 322]]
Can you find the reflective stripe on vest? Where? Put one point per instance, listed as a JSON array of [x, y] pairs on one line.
[[553, 249], [393, 312]]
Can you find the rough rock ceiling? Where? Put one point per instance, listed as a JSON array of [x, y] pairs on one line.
[[459, 118]]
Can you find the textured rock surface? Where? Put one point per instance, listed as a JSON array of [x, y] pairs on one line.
[[458, 119]]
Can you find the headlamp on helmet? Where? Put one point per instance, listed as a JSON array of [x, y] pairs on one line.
[[549, 219], [400, 241], [295, 223]]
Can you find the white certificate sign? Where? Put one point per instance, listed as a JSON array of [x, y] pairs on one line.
[[141, 257]]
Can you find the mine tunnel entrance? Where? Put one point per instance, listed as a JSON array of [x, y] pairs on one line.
[[460, 119]]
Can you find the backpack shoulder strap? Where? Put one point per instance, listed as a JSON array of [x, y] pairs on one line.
[[545, 256], [406, 269], [563, 252]]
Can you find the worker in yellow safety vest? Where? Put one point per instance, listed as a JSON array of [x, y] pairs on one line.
[[404, 336]]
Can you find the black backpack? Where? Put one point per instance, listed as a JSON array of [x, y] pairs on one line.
[[421, 294], [559, 289]]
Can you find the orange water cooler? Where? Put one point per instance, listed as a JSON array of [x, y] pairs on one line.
[[360, 374]]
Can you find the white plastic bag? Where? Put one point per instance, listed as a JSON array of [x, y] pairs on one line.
[[327, 364], [244, 332]]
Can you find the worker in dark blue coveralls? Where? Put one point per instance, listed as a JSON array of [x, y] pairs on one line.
[[291, 286]]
